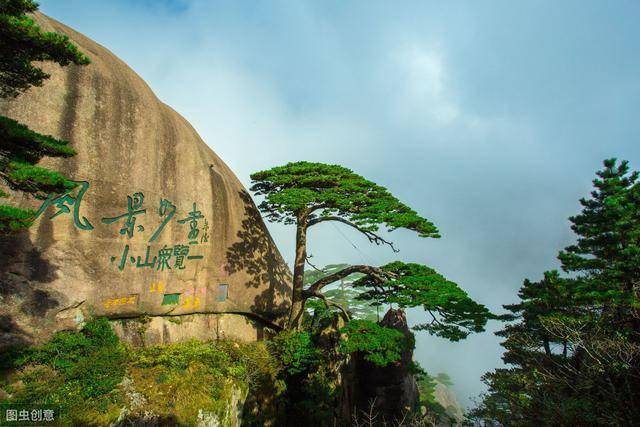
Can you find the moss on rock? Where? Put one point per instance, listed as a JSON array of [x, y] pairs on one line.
[[97, 380]]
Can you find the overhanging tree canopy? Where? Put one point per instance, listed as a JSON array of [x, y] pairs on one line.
[[22, 42], [408, 285], [319, 192], [307, 194], [453, 314]]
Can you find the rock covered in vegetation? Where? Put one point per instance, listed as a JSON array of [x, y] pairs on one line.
[[393, 387], [95, 379], [158, 225]]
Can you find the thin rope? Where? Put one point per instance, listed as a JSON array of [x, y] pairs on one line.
[[364, 256]]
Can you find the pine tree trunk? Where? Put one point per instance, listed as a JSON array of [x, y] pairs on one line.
[[297, 299]]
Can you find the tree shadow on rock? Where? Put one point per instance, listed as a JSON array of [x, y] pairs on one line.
[[24, 275], [256, 255], [13, 339]]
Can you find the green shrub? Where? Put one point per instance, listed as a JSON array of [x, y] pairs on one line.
[[83, 373], [296, 351], [378, 345], [319, 402], [180, 356], [74, 370]]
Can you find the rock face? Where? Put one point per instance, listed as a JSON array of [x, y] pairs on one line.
[[158, 229], [391, 389], [447, 399]]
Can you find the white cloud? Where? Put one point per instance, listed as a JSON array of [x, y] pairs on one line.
[[425, 91]]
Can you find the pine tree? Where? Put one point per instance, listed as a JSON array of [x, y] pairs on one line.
[[22, 42], [573, 344], [606, 256], [307, 194]]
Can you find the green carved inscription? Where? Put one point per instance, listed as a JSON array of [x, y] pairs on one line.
[[165, 258], [192, 219], [62, 203], [166, 210], [134, 208]]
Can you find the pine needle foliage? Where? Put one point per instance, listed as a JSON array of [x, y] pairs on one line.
[[454, 315], [333, 190], [572, 342], [376, 343], [23, 43]]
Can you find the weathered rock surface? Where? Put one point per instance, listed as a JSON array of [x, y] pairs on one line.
[[447, 399], [391, 389], [137, 414], [159, 226]]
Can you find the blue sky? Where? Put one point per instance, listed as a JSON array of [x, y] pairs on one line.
[[490, 118]]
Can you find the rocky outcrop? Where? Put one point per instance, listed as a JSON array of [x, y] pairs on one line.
[[136, 414], [447, 399], [391, 391], [158, 225]]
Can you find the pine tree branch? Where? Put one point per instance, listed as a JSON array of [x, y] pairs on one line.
[[328, 303], [374, 272], [373, 237], [313, 265], [435, 319]]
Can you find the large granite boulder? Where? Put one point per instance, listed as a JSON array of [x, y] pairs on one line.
[[159, 232]]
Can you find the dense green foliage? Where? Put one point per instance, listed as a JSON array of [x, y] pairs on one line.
[[21, 149], [13, 219], [22, 43], [453, 314], [296, 351], [572, 343], [326, 190], [74, 368], [92, 377], [606, 256], [376, 343], [308, 359]]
